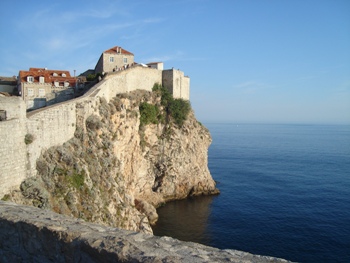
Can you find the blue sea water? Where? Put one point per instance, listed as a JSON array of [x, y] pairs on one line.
[[285, 192]]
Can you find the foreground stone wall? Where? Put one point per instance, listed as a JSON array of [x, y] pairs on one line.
[[30, 234]]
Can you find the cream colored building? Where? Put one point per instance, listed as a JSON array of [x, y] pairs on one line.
[[40, 87], [114, 59]]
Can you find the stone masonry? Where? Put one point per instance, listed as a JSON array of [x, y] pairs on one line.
[[13, 150], [30, 234], [177, 83]]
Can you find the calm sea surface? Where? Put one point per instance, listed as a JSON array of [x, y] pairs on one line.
[[285, 192]]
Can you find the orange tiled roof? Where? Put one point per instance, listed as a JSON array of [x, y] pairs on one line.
[[49, 75], [117, 50]]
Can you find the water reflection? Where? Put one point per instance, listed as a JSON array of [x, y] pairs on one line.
[[186, 220]]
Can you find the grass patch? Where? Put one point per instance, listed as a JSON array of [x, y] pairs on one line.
[[76, 180]]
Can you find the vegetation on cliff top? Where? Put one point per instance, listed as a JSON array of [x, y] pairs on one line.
[[149, 113], [175, 109]]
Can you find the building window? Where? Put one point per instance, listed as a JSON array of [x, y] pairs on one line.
[[66, 84], [111, 59], [57, 84], [30, 92], [63, 75], [41, 79], [125, 60], [41, 92], [54, 74], [30, 79]]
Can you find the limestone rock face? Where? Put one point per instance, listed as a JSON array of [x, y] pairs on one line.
[[115, 171], [177, 166]]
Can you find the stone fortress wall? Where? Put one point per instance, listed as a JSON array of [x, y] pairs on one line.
[[13, 150], [127, 80], [54, 125], [177, 83], [30, 234]]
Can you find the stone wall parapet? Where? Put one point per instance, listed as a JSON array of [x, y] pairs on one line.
[[29, 234]]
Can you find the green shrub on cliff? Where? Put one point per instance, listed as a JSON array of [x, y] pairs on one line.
[[77, 179], [33, 188], [178, 109], [93, 122], [149, 113], [166, 96], [28, 138]]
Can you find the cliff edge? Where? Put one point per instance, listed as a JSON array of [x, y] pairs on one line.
[[126, 158]]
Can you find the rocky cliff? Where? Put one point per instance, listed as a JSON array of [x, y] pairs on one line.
[[117, 170]]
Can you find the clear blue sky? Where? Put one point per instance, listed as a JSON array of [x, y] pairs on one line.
[[284, 61]]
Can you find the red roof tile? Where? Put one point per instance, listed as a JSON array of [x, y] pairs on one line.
[[118, 50], [49, 75]]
